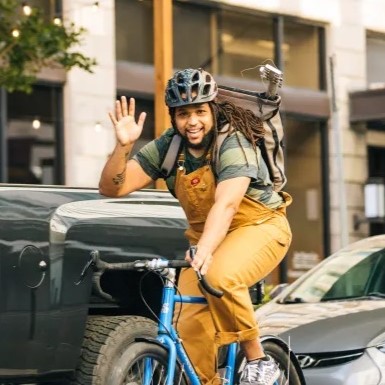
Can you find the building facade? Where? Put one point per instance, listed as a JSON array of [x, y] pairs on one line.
[[332, 54]]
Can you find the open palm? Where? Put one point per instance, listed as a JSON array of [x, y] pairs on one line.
[[127, 130]]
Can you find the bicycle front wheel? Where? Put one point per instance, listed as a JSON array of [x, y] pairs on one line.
[[144, 363]]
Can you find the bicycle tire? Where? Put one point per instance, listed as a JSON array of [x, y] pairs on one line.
[[129, 367], [289, 374]]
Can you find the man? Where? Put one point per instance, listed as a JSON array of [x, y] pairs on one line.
[[236, 219]]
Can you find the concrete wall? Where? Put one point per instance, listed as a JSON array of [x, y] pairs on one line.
[[89, 97]]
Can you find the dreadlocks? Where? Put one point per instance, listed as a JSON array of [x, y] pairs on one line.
[[239, 119], [242, 120]]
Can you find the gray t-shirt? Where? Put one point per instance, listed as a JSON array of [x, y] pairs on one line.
[[236, 158]]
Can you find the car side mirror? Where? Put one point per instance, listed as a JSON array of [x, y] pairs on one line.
[[277, 290]]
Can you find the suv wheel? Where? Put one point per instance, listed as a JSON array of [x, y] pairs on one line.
[[106, 339]]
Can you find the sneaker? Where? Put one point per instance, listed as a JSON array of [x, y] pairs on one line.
[[260, 372]]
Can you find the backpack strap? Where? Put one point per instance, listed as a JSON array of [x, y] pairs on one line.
[[223, 133], [171, 155]]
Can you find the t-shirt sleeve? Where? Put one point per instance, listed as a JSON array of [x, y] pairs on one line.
[[237, 157], [150, 156]]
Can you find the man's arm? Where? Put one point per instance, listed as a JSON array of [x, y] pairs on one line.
[[228, 196], [121, 176]]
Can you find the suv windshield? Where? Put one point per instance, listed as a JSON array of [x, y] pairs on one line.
[[349, 274]]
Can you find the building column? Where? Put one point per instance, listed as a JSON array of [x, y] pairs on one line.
[[348, 45], [88, 136]]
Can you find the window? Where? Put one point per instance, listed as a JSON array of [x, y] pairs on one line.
[[33, 136], [301, 53], [350, 273], [245, 41], [225, 42], [134, 31], [192, 29], [375, 57], [49, 8], [303, 142]]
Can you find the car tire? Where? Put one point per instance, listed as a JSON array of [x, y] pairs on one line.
[[105, 341], [289, 374]]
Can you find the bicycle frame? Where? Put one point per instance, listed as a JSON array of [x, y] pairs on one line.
[[168, 336]]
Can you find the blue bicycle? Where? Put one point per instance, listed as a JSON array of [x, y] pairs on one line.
[[163, 360]]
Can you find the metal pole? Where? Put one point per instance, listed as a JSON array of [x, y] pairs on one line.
[[339, 159], [278, 34], [3, 136]]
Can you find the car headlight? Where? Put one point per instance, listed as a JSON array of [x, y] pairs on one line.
[[381, 348]]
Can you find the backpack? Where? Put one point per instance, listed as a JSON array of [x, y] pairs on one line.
[[271, 146]]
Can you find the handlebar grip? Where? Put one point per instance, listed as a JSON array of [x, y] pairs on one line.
[[211, 290], [177, 264]]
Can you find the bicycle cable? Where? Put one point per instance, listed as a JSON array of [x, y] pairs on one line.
[[152, 312]]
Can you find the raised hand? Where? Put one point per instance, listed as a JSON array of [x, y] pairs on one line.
[[127, 130]]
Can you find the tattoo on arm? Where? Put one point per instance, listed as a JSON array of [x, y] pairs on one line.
[[120, 177]]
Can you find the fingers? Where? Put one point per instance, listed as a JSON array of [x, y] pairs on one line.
[[118, 110], [123, 102], [206, 264], [112, 118], [131, 108], [142, 118], [187, 257], [124, 108], [201, 261]]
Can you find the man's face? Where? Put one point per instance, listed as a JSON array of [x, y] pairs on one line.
[[194, 122]]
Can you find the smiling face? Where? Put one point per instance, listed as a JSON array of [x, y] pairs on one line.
[[194, 123]]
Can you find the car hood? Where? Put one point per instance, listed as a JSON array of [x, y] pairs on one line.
[[325, 327]]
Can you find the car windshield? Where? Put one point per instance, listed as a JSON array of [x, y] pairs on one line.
[[348, 274]]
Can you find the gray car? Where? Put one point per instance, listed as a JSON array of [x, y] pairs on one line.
[[333, 317]]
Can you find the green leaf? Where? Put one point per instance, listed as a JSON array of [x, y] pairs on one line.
[[40, 43]]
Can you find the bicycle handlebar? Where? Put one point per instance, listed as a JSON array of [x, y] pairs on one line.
[[101, 266], [153, 264]]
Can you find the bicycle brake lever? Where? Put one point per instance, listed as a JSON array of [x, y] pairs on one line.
[[211, 290]]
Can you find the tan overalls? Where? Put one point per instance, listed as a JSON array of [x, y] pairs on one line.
[[256, 242]]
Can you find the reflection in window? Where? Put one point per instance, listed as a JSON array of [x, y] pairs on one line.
[[49, 8], [375, 59], [134, 31], [348, 274], [33, 150], [304, 175], [246, 41], [192, 21], [301, 53]]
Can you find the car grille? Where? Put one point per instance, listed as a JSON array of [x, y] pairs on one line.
[[312, 360]]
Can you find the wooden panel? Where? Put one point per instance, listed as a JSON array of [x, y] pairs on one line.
[[163, 52]]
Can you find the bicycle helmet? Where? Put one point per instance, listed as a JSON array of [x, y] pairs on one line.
[[190, 86]]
